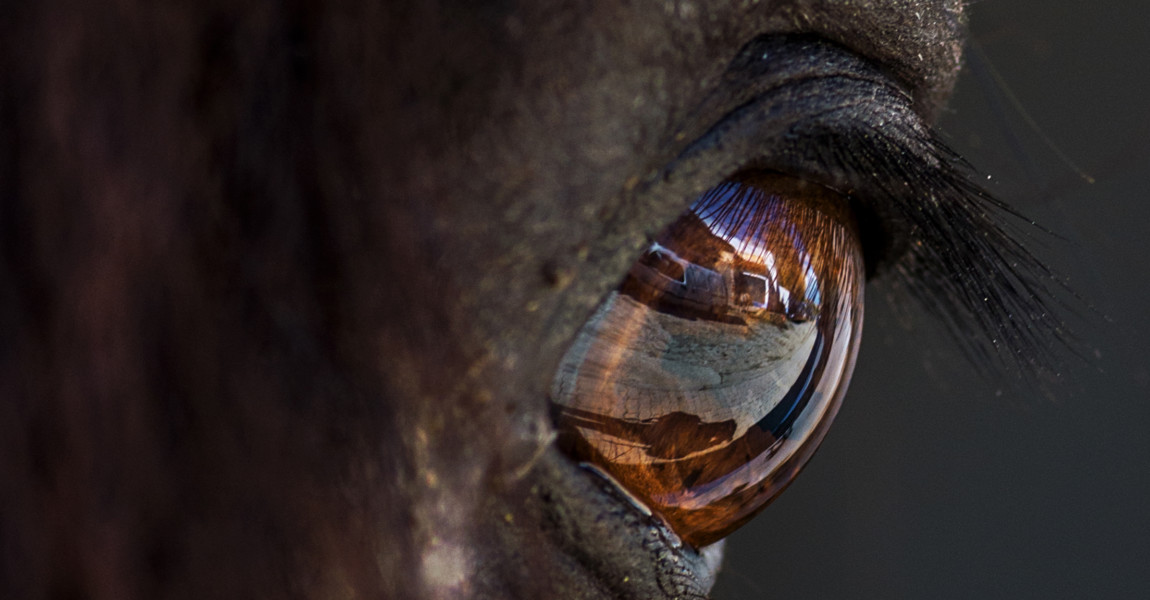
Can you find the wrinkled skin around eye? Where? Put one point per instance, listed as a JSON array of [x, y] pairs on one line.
[[283, 286]]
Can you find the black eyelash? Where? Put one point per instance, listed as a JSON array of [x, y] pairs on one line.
[[960, 262], [815, 110], [984, 275]]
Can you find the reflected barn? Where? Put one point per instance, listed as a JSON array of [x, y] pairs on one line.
[[285, 287]]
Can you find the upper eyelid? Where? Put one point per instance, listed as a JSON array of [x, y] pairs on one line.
[[754, 114], [761, 67], [922, 216], [709, 143]]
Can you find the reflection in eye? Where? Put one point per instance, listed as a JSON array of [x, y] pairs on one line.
[[708, 379]]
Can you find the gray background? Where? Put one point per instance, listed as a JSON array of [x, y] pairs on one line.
[[938, 483]]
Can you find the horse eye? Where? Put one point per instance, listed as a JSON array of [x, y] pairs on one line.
[[706, 381]]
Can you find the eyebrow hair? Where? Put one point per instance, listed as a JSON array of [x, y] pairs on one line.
[[803, 106]]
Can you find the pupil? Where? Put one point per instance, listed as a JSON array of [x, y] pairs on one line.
[[705, 382]]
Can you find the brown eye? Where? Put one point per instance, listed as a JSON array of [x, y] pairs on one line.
[[706, 381]]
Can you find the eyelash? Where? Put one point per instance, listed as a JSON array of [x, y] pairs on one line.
[[964, 267], [926, 226]]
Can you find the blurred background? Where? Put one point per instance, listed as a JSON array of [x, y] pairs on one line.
[[937, 482]]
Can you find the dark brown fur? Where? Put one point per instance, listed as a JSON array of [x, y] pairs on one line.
[[282, 285]]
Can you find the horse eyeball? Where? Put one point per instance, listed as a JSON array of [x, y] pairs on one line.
[[707, 380]]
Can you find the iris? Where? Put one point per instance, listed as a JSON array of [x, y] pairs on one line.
[[708, 378]]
